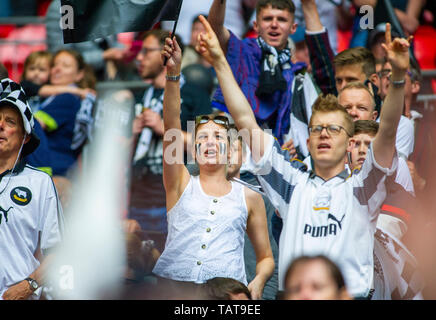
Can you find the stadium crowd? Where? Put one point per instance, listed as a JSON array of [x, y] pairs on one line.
[[312, 175]]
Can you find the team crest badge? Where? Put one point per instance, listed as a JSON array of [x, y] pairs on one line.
[[322, 201], [21, 196]]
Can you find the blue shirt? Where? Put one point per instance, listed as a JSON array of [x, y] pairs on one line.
[[58, 114], [245, 57]]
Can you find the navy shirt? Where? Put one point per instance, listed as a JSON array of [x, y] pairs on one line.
[[58, 114]]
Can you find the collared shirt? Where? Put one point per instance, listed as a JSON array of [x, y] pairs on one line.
[[30, 215], [336, 218]]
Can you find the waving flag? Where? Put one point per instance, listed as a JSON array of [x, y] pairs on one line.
[[83, 20]]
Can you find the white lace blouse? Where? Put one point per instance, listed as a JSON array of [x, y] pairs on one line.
[[205, 236]]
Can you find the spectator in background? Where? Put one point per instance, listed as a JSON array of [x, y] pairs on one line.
[[57, 113], [96, 53], [226, 289], [190, 56], [406, 11], [376, 38], [35, 80], [265, 72], [191, 9], [330, 14], [350, 65], [314, 278]]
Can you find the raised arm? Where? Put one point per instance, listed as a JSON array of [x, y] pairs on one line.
[[175, 174], [397, 52], [235, 100], [320, 53], [216, 17]]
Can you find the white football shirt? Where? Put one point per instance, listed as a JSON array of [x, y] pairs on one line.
[[30, 214], [336, 218]]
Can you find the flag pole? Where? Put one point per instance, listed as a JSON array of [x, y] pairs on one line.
[[173, 33]]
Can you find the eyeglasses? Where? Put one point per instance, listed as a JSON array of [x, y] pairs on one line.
[[388, 72], [144, 50], [332, 129], [221, 120], [384, 73]]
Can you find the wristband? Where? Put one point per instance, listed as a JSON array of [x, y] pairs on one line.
[[173, 78], [399, 83]]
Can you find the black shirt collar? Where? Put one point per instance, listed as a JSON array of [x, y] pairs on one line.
[[343, 174], [18, 169]]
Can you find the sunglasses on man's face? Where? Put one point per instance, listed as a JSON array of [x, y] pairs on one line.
[[221, 120]]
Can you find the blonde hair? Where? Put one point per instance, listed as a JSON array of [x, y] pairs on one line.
[[33, 57], [329, 103]]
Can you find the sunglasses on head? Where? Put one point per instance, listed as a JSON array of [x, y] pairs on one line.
[[221, 120]]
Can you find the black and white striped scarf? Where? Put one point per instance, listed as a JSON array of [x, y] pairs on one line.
[[273, 62]]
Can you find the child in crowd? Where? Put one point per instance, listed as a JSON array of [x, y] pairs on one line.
[[36, 76]]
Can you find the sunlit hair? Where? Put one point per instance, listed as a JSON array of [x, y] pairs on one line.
[[357, 55], [276, 4], [358, 86], [329, 103], [334, 271], [220, 288], [369, 127], [32, 58]]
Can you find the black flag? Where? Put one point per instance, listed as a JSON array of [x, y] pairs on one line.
[[83, 20]]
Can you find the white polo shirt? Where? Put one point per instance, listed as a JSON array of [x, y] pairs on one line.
[[30, 214], [336, 218]]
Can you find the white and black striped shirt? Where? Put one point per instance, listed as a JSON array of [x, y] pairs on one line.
[[336, 218]]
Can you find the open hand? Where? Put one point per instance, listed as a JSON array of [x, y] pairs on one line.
[[208, 45]]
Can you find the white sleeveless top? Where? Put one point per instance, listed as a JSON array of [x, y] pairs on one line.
[[205, 236]]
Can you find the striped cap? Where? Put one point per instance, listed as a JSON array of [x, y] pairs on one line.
[[11, 93]]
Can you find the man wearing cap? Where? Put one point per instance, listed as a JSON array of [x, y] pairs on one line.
[[30, 213]]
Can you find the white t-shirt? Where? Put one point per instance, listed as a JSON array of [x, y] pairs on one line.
[[34, 216], [336, 218], [405, 140]]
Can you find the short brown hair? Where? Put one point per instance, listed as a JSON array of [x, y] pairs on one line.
[[220, 288], [31, 59], [359, 86], [333, 269], [366, 126], [88, 80], [357, 55], [329, 103], [161, 35], [276, 4]]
